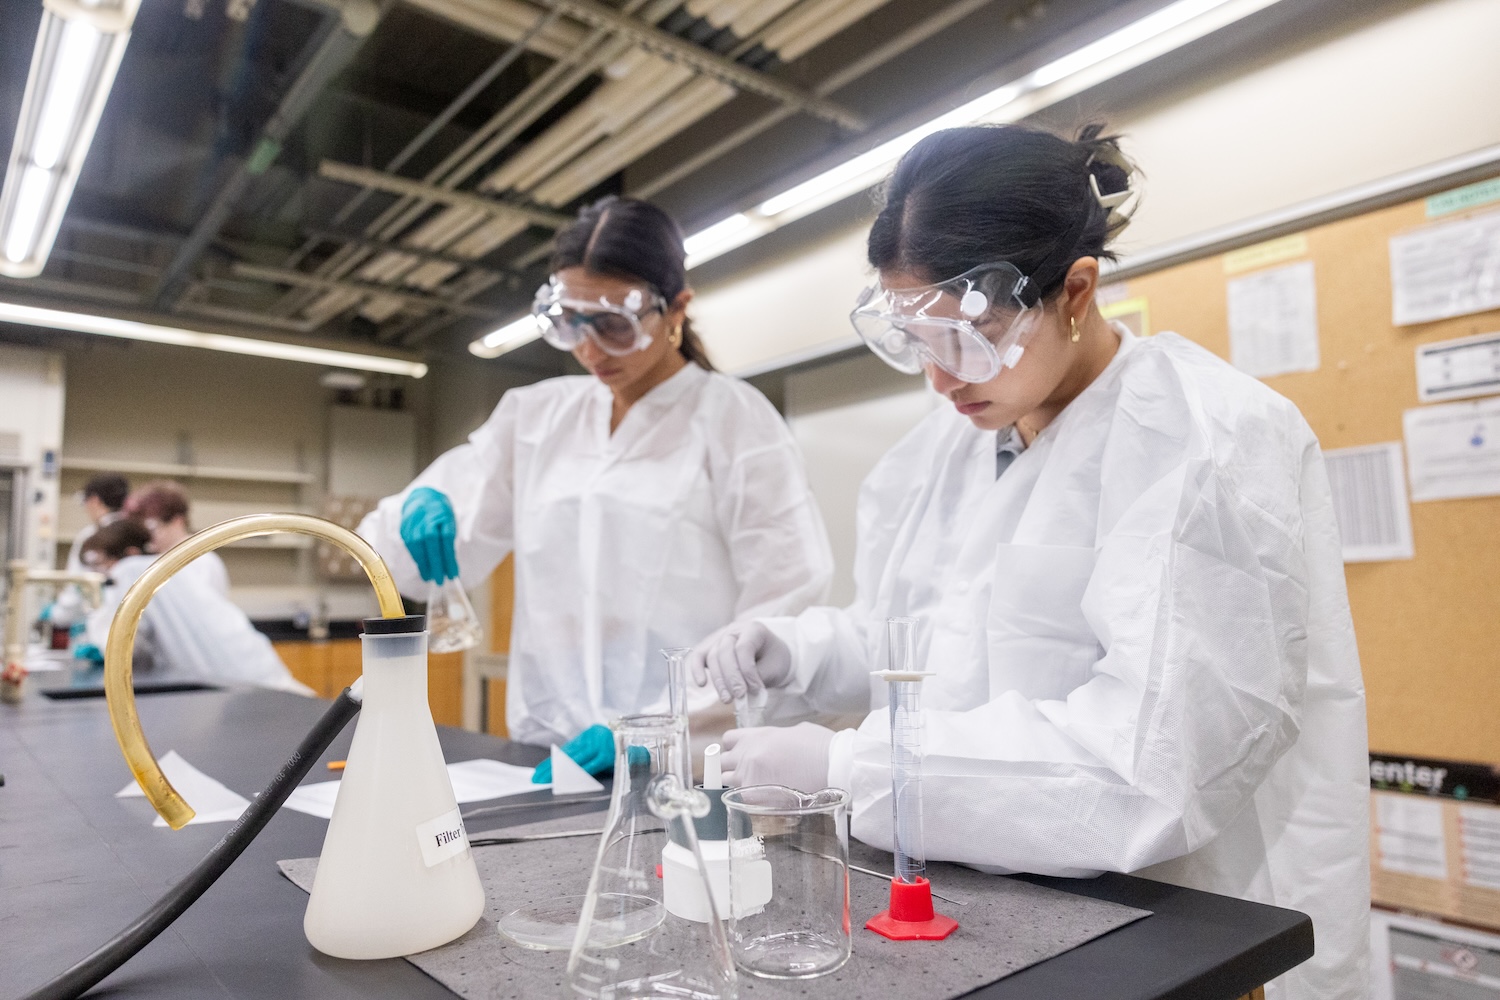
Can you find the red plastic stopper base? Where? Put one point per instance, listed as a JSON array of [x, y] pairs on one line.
[[911, 917]]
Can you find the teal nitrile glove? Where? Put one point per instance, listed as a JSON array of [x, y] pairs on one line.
[[88, 651], [593, 750], [428, 528]]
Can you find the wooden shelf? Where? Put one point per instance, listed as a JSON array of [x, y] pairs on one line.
[[186, 471]]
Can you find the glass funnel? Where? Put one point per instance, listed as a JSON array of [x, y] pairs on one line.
[[452, 625], [627, 943]]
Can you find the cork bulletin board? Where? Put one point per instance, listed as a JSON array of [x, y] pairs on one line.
[[1428, 628]]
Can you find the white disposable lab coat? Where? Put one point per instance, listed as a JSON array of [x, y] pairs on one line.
[[1142, 645], [694, 513], [190, 630], [208, 570], [75, 551]]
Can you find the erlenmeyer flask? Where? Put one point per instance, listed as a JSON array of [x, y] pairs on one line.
[[627, 943], [396, 875], [551, 924], [452, 625]]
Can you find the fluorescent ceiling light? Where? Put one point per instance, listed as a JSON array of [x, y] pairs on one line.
[[509, 337], [26, 215], [1137, 43], [129, 329], [78, 49]]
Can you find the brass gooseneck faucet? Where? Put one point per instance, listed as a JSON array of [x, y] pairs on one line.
[[119, 649], [22, 574]]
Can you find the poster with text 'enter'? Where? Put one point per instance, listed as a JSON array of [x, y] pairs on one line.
[[1453, 450]]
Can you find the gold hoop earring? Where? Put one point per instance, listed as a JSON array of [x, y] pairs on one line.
[[676, 337], [1073, 325]]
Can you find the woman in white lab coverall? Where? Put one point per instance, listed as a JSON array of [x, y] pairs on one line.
[[648, 503], [188, 631], [1124, 556]]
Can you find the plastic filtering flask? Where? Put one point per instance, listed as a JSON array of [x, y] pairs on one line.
[[396, 875]]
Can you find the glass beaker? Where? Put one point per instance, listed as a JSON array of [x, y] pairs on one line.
[[452, 625], [788, 880], [628, 944]]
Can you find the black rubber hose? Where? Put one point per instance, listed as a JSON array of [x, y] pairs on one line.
[[123, 946]]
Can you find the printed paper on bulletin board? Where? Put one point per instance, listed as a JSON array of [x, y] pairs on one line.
[[1425, 625]]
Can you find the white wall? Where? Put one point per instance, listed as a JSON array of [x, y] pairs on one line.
[[844, 417], [150, 403], [1409, 90], [31, 409]]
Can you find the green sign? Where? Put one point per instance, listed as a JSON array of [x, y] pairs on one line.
[[1466, 197]]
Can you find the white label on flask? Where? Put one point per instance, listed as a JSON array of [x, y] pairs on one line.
[[443, 838]]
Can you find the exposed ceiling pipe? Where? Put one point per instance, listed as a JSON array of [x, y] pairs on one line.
[[349, 174], [630, 114], [444, 117], [558, 80], [508, 21], [701, 60], [356, 19], [659, 106], [869, 62], [575, 159], [381, 246], [282, 276], [455, 168]]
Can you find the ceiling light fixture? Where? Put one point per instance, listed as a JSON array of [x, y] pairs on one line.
[[129, 329], [512, 335], [78, 49], [1147, 38]]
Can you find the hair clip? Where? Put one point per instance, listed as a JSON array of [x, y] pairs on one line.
[[1117, 219]]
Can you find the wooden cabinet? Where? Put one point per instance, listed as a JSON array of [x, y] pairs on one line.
[[445, 688], [344, 665], [329, 667], [494, 724], [308, 662]]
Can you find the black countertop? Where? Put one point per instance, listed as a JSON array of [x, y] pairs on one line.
[[77, 864], [287, 629]]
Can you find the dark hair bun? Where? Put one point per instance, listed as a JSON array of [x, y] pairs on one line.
[[1105, 162], [980, 194]]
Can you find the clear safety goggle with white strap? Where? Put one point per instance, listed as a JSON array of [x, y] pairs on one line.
[[972, 327], [615, 324]]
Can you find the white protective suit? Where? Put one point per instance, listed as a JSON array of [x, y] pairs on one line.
[[75, 551], [1143, 651], [694, 513], [189, 630]]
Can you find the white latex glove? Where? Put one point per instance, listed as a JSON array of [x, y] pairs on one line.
[[770, 755], [740, 659]]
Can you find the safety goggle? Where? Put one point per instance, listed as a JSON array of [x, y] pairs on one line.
[[615, 325], [973, 326]]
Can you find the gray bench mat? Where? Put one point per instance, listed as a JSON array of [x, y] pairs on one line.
[[1004, 926]]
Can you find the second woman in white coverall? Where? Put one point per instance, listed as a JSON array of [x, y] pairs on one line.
[[1124, 557], [188, 631], [648, 503]]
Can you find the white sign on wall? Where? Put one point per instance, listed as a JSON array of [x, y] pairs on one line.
[[1453, 450], [1369, 500], [1459, 369], [1450, 269], [1273, 321]]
